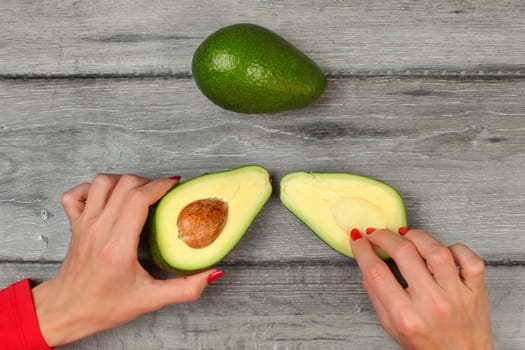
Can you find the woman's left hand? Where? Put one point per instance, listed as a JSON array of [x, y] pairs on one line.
[[101, 283]]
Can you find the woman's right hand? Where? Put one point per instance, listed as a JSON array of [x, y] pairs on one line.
[[445, 305]]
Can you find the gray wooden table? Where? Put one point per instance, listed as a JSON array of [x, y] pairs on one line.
[[428, 96]]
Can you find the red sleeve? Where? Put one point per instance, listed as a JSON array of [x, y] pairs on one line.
[[19, 328]]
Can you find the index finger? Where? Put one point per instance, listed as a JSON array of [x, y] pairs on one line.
[[134, 211], [406, 257], [376, 273]]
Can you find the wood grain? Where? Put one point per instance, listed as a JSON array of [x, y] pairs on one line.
[[453, 148], [426, 95], [303, 306], [143, 37]]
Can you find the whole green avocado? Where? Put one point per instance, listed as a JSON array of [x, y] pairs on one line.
[[246, 68]]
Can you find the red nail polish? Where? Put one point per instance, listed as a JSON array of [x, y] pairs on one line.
[[403, 230], [214, 276], [370, 230], [355, 234], [175, 177]]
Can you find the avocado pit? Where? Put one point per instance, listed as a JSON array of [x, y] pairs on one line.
[[202, 221]]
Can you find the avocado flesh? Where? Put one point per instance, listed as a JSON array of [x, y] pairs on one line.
[[247, 68], [245, 190], [331, 204]]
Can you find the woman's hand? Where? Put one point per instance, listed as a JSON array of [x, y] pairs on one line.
[[445, 305], [101, 283]]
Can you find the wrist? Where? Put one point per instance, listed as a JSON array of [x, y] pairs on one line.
[[57, 319]]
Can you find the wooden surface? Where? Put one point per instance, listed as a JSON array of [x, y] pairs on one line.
[[308, 305], [138, 37], [427, 96]]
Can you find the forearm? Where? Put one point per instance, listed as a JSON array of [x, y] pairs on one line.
[[19, 328]]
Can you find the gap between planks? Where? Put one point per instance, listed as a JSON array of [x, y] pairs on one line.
[[497, 74], [264, 264]]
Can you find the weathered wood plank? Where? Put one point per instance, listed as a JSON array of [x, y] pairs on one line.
[[284, 307], [358, 37], [455, 150]]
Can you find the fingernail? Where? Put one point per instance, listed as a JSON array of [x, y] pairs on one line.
[[214, 276], [176, 177], [370, 230], [403, 230], [355, 234]]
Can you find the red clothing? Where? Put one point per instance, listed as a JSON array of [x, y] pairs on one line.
[[19, 328]]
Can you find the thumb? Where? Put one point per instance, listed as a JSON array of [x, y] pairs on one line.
[[183, 289]]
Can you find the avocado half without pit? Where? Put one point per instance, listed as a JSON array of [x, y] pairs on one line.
[[200, 221], [331, 204]]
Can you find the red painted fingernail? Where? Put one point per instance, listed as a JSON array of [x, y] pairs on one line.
[[403, 230], [370, 230], [214, 276], [175, 177], [355, 234]]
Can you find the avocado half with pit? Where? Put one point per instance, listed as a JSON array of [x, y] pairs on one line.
[[200, 221], [331, 204]]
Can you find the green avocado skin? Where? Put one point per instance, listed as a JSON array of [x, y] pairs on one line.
[[246, 68]]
